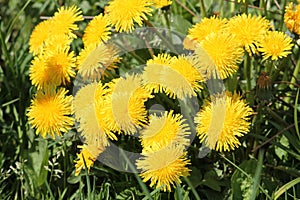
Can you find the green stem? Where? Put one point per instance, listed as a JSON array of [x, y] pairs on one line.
[[247, 72], [247, 175], [282, 16], [132, 168], [256, 178], [263, 5], [167, 20], [202, 8], [296, 114], [11, 25], [195, 193], [164, 39], [246, 6], [295, 74], [222, 8]]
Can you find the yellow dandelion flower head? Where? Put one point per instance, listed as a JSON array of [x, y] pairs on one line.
[[64, 21], [248, 30], [88, 155], [56, 42], [123, 14], [207, 26], [97, 31], [60, 65], [50, 112], [127, 103], [163, 131], [105, 118], [39, 35], [185, 67], [85, 114], [176, 76], [275, 45], [219, 53], [292, 18], [152, 71], [94, 61], [165, 167], [38, 74], [161, 3], [222, 121]]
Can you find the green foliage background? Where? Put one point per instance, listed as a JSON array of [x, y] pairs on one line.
[[34, 168]]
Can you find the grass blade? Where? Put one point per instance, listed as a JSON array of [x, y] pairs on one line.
[[285, 187], [256, 178], [295, 115]]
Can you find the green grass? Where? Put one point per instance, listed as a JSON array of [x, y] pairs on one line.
[[266, 166]]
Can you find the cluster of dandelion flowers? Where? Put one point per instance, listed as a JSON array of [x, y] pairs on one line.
[[97, 31], [85, 114], [205, 27], [248, 30], [163, 131], [275, 45], [219, 53], [64, 21], [176, 76], [50, 112], [124, 14], [94, 61], [292, 18], [124, 105], [164, 167], [87, 157], [222, 121]]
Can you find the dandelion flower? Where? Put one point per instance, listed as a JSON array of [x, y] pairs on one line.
[[176, 76], [123, 14], [125, 109], [222, 121], [152, 71], [56, 42], [219, 52], [275, 45], [97, 31], [38, 36], [64, 21], [161, 3], [85, 114], [105, 120], [38, 74], [94, 61], [60, 65], [165, 167], [205, 27], [249, 30], [50, 112], [292, 18], [88, 155], [191, 77], [163, 131]]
